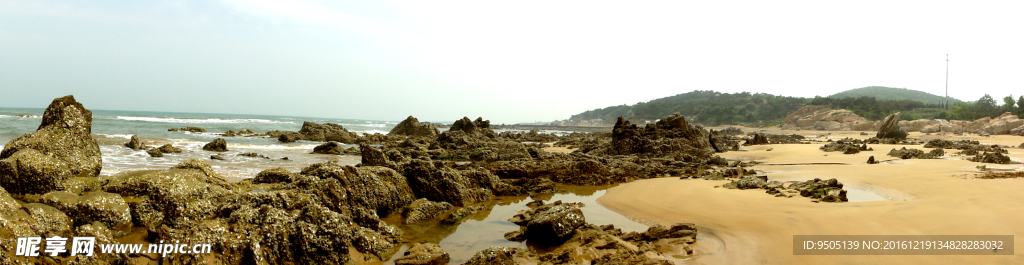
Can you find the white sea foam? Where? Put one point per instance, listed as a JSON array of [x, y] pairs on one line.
[[21, 116], [272, 146], [125, 136], [207, 120]]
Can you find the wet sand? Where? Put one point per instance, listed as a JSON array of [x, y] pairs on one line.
[[922, 197]]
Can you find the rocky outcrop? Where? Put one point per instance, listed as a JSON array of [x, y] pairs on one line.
[[994, 158], [61, 148], [443, 184], [822, 118], [551, 223], [424, 254], [167, 149], [312, 131], [503, 255], [373, 157], [847, 146], [890, 128], [904, 153], [379, 188], [275, 175], [412, 127], [471, 127], [329, 148], [134, 143], [672, 137], [217, 145], [423, 209], [187, 129], [757, 139]]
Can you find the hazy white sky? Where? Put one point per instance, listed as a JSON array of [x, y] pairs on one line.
[[507, 61]]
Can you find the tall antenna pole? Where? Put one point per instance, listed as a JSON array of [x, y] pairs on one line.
[[947, 81]]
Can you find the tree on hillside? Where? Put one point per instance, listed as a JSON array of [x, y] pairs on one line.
[[986, 106], [1020, 105], [1008, 104]]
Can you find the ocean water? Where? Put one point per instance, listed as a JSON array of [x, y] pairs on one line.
[[114, 128]]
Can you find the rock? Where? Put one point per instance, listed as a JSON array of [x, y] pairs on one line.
[[554, 224], [167, 149], [758, 139], [329, 148], [48, 220], [424, 254], [246, 132], [829, 190], [672, 136], [134, 143], [372, 156], [184, 193], [217, 145], [443, 184], [381, 189], [462, 213], [423, 209], [891, 129], [470, 127], [230, 133], [994, 158], [155, 153], [62, 147], [412, 127], [678, 230], [503, 256], [187, 129], [822, 118], [904, 153], [312, 131], [871, 160], [30, 171], [749, 182], [217, 157], [109, 209], [274, 175]]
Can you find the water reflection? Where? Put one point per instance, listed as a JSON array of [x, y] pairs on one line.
[[487, 228]]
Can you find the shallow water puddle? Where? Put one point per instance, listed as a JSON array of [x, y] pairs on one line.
[[487, 228], [858, 194]]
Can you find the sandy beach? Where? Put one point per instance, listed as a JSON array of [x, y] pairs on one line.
[[921, 197]]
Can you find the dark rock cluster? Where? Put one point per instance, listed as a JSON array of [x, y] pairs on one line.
[[904, 153], [847, 146], [187, 129], [412, 127], [829, 190], [312, 131]]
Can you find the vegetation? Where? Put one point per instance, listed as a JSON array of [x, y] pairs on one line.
[[755, 109], [706, 107], [986, 106], [892, 93]]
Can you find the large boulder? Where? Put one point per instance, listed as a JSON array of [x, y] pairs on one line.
[[217, 145], [329, 148], [107, 208], [444, 184], [184, 194], [274, 175], [471, 127], [61, 148], [822, 118], [551, 224], [891, 129], [412, 127], [312, 131], [379, 188], [671, 137]]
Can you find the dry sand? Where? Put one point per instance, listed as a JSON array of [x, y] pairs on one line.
[[923, 197]]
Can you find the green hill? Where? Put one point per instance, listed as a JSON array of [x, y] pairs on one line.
[[893, 93], [705, 107]]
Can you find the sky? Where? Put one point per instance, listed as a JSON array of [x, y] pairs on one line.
[[507, 61]]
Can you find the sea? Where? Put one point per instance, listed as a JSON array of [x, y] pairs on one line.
[[113, 128]]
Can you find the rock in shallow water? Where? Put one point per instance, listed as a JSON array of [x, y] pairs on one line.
[[217, 145], [424, 254]]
